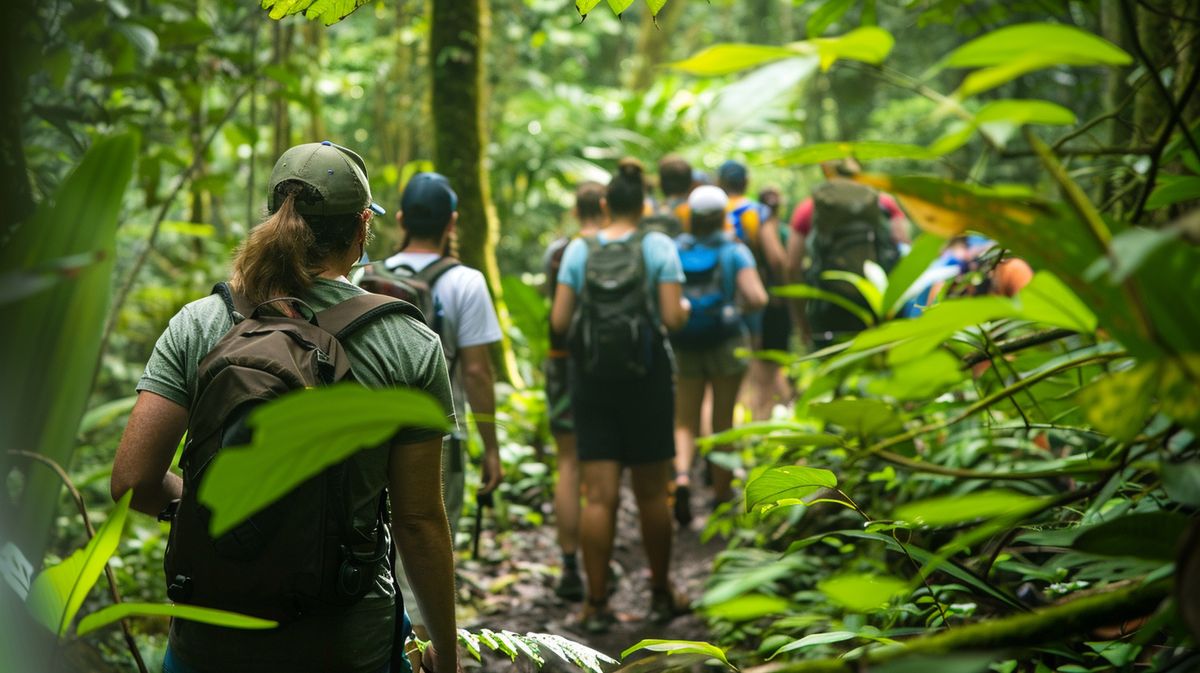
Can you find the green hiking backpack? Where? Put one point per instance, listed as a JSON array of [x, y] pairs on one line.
[[848, 229], [613, 334], [302, 554]]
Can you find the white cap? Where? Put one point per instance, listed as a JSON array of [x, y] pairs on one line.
[[707, 199]]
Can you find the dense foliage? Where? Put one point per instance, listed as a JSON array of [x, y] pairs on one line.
[[1003, 484]]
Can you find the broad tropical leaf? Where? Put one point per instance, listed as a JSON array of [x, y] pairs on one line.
[[328, 12], [115, 613], [302, 433], [58, 591]]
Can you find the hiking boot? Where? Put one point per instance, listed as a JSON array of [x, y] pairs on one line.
[[597, 618], [667, 604], [683, 505], [570, 586]]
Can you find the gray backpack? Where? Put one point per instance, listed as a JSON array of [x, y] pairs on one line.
[[848, 229], [613, 333]]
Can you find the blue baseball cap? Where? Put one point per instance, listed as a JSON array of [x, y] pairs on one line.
[[428, 200], [732, 171]]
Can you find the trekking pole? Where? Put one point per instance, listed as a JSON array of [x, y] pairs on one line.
[[482, 501]]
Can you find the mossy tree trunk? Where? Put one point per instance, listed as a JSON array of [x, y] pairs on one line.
[[457, 45]]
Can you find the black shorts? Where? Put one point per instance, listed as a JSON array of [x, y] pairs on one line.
[[631, 422], [776, 327], [558, 395]]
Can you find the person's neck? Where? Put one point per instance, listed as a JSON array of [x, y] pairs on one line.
[[619, 226], [589, 227], [423, 246]]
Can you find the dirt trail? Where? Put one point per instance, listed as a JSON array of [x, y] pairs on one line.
[[512, 587]]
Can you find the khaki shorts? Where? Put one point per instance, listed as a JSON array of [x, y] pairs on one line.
[[715, 362]]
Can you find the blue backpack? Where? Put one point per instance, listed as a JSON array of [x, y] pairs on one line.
[[710, 287]]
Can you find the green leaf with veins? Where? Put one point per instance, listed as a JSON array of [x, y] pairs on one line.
[[328, 12], [302, 433], [787, 484]]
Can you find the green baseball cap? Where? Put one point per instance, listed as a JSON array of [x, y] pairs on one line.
[[336, 176]]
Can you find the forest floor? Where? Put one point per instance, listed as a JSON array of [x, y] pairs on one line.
[[512, 587]]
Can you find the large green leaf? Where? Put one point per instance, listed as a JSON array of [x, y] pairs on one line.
[[619, 6], [1119, 403], [748, 608], [953, 509], [1069, 45], [859, 417], [119, 611], [1172, 189], [786, 485], [927, 376], [1048, 300], [58, 591], [800, 291], [680, 647], [1149, 535], [328, 12], [900, 281], [864, 150], [869, 44], [829, 12], [999, 119], [54, 351], [862, 592], [302, 433], [914, 337], [814, 639], [723, 59], [866, 289]]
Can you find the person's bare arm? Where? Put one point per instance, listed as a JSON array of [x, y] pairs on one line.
[[562, 309], [750, 289], [795, 274], [422, 535], [480, 383], [772, 248], [143, 460], [673, 306]]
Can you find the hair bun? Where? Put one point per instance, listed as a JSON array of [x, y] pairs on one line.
[[630, 169]]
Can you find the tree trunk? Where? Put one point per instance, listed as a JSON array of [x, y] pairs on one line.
[[458, 37], [16, 192], [1117, 131], [652, 44]]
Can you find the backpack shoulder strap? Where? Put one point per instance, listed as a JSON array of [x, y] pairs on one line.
[[235, 303], [342, 320], [431, 273]]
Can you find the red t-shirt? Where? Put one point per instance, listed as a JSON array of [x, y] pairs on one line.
[[802, 215]]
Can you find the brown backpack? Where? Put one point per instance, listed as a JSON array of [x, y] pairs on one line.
[[301, 554]]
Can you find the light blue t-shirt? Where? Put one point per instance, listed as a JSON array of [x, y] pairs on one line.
[[658, 251]]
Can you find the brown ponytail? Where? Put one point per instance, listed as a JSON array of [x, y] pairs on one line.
[[282, 256]]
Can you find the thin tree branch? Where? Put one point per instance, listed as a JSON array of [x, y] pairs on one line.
[[1023, 631], [1019, 344], [113, 591]]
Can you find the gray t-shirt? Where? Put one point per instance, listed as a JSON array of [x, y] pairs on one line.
[[392, 351]]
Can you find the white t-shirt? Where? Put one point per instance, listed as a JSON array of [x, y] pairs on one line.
[[462, 299]]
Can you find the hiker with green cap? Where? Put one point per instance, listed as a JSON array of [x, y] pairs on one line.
[[318, 560]]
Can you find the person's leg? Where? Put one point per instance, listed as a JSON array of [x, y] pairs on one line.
[[725, 390], [689, 394], [600, 480], [566, 494], [651, 483]]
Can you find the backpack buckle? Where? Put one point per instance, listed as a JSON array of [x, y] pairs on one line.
[[167, 515]]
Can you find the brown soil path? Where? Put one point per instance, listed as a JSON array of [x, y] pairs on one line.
[[512, 587]]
